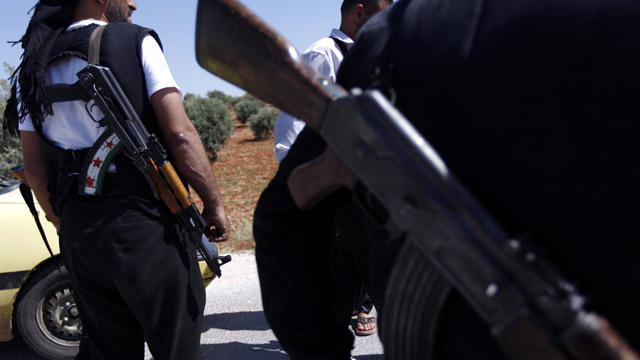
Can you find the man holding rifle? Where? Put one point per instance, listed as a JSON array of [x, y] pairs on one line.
[[134, 274], [532, 105]]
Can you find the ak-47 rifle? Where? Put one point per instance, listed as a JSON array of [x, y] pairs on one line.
[[533, 313], [125, 129], [98, 86]]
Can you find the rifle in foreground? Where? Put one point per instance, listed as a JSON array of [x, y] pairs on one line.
[[126, 130], [533, 312]]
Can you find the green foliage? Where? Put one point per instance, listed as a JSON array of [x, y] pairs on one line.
[[262, 122], [246, 96], [217, 94], [246, 108], [10, 149], [10, 155], [211, 119], [189, 97]]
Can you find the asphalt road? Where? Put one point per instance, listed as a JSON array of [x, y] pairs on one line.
[[234, 324]]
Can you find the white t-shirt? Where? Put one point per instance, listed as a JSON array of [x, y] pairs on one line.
[[325, 57], [70, 126]]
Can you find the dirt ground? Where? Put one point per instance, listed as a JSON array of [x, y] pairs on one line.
[[243, 169]]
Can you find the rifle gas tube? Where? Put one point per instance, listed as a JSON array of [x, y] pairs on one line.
[[514, 296]]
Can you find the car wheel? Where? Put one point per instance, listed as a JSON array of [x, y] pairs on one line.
[[46, 315]]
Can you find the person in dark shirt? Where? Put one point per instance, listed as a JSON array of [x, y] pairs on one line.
[[308, 275], [533, 106]]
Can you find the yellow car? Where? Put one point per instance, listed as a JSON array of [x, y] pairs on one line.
[[36, 300]]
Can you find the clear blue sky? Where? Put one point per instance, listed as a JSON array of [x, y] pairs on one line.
[[300, 21]]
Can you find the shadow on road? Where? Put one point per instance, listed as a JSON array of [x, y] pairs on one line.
[[241, 351], [247, 320]]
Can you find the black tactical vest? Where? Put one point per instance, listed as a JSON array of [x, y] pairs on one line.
[[121, 51]]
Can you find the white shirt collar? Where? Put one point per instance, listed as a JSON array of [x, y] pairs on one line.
[[335, 33], [83, 23]]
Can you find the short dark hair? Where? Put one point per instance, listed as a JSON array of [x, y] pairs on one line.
[[369, 5]]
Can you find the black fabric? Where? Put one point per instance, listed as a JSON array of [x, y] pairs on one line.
[[61, 93], [135, 276], [363, 303], [121, 52], [303, 267], [48, 17], [305, 271], [64, 170], [532, 104], [341, 45], [134, 281], [308, 261]]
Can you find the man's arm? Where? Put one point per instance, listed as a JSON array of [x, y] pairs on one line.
[[189, 156], [36, 171]]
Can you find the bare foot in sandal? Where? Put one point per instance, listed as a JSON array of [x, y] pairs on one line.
[[365, 325]]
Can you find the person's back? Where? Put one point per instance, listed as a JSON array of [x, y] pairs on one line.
[[301, 263], [532, 105], [128, 259], [324, 56]]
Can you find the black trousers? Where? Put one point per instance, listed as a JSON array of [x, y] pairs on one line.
[[312, 262], [363, 302], [308, 286], [134, 280]]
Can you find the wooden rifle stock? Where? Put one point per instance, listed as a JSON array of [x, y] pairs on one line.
[[164, 192], [253, 56], [176, 185]]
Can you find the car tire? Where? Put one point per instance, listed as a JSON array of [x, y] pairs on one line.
[[46, 315]]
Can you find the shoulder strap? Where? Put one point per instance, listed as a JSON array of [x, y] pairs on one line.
[[64, 92], [341, 45], [94, 45]]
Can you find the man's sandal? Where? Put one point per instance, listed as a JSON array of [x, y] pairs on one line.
[[365, 320]]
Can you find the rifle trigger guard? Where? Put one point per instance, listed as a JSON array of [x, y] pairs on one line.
[[89, 107]]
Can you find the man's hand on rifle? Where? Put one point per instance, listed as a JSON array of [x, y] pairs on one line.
[[190, 159], [219, 224]]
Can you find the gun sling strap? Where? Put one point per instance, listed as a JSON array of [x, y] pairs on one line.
[[341, 45], [62, 92]]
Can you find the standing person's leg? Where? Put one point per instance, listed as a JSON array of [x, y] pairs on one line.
[[372, 245], [299, 290], [364, 323], [367, 304], [106, 318], [160, 280], [301, 266], [137, 282]]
